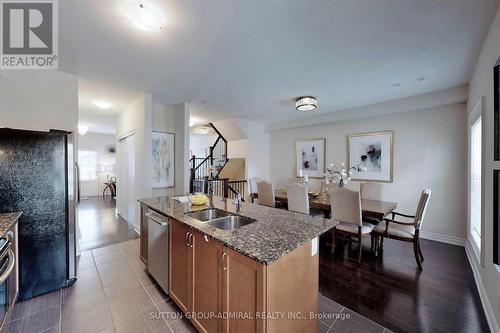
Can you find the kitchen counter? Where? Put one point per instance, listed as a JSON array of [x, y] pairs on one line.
[[276, 233], [7, 220]]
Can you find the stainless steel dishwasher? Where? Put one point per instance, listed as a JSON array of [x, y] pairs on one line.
[[158, 248]]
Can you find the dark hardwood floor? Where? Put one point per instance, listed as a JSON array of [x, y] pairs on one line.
[[99, 225], [391, 291]]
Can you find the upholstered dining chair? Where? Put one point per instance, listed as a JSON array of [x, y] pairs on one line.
[[266, 193], [252, 187], [298, 198], [346, 209], [404, 231]]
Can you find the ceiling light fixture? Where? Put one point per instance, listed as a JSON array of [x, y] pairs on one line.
[[306, 103], [103, 104], [146, 17], [82, 129], [203, 130]]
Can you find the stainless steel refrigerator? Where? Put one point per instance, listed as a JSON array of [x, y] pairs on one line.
[[38, 176]]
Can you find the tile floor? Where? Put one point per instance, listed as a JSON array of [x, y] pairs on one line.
[[115, 294]]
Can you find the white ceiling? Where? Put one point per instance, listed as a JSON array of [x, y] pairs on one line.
[[251, 59], [99, 120]]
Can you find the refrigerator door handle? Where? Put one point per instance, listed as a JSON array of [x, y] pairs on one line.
[[77, 187]]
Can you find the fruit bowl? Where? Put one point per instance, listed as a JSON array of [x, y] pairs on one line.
[[199, 199]]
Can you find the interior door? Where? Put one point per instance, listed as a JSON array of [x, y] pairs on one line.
[[88, 160], [130, 178]]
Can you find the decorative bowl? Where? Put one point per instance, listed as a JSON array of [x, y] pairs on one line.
[[313, 194], [199, 199]]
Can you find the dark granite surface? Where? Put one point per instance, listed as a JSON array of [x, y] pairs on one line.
[[276, 232], [7, 220]]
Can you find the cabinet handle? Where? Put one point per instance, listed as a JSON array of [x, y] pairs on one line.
[[187, 238], [224, 261], [206, 238], [190, 240]]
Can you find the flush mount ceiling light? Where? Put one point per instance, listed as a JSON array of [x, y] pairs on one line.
[[146, 17], [306, 103], [82, 129], [103, 104], [201, 130]]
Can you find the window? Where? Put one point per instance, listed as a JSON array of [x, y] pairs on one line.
[[87, 159], [475, 182]]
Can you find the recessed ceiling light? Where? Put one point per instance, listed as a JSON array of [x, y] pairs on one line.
[[103, 104], [146, 17], [82, 129], [306, 103]]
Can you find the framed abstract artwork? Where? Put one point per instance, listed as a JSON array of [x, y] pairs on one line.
[[163, 158], [371, 155], [310, 157]]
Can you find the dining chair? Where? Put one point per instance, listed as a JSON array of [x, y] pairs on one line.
[[266, 193], [404, 231], [252, 187], [371, 191], [297, 198], [346, 209]]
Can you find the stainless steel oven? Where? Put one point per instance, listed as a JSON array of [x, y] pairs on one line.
[[7, 273]]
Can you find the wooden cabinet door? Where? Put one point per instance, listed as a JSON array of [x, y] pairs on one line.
[[205, 297], [144, 234], [242, 292], [180, 265]]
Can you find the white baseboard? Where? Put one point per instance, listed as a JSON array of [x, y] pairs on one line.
[[488, 310], [442, 238], [132, 225]]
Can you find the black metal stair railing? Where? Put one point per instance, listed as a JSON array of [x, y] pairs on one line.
[[220, 187], [210, 166]]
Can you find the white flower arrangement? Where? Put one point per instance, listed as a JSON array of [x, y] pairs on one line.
[[342, 175]]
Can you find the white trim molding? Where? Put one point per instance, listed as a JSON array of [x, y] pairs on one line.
[[442, 238], [488, 310], [132, 225]]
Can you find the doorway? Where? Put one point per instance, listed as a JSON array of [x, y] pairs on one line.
[[126, 179], [88, 160]]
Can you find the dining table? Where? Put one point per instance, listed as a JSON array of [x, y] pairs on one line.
[[375, 209]]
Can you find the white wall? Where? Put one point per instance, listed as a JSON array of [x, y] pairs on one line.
[[249, 140], [38, 100], [199, 144], [182, 174], [429, 153], [481, 85], [99, 142], [137, 119]]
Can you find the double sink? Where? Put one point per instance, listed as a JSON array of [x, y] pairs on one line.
[[220, 219]]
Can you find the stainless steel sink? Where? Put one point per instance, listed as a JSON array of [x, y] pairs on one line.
[[208, 214], [231, 222]]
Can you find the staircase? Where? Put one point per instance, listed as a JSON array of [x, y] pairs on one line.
[[205, 170]]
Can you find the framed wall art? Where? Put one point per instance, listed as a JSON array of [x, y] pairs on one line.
[[371, 155], [310, 157], [163, 154]]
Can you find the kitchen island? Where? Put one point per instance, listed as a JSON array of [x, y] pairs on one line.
[[260, 277]]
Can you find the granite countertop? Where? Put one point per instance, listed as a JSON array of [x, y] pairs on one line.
[[7, 220], [276, 232]]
